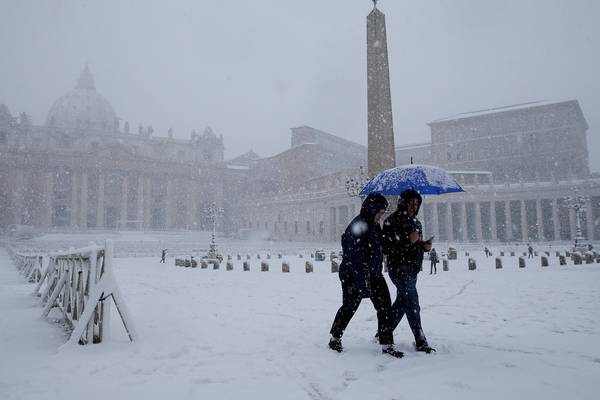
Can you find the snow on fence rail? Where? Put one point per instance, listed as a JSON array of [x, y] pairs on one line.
[[79, 283]]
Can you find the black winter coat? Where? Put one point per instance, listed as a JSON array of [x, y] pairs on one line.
[[362, 249], [402, 255]]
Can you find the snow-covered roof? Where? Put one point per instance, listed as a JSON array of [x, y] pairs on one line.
[[488, 111]]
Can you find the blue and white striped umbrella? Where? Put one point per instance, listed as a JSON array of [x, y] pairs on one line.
[[424, 179]]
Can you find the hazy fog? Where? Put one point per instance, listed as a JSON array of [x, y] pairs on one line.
[[253, 69]]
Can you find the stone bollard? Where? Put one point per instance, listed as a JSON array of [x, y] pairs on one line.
[[312, 255], [498, 263], [264, 266], [187, 263], [562, 260], [598, 258], [535, 253], [547, 253], [466, 254], [178, 262], [335, 267], [300, 255], [524, 254], [512, 253], [246, 266], [308, 266], [521, 262], [577, 259], [228, 257], [501, 254], [472, 264], [285, 266], [589, 258], [247, 256], [194, 263], [258, 256], [229, 266], [544, 261], [268, 256], [279, 256], [558, 254], [239, 257], [567, 254], [445, 265], [203, 264], [216, 264]]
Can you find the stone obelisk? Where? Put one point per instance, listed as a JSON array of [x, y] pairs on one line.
[[381, 153]]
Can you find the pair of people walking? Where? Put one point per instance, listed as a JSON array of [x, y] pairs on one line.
[[364, 244]]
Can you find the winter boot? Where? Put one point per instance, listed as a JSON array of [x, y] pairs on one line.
[[422, 345], [389, 350], [336, 344]]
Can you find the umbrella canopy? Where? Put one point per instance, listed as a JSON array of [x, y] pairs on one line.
[[424, 179]]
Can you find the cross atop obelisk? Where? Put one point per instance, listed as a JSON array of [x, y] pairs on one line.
[[381, 153]]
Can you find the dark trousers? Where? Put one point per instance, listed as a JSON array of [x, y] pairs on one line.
[[351, 298], [407, 301], [433, 267]]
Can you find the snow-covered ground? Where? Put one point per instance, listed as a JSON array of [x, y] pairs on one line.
[[213, 334]]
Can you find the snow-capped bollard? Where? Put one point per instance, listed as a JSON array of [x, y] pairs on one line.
[[562, 260], [452, 254], [535, 254], [285, 266], [194, 263], [501, 254], [598, 258], [203, 264], [239, 257], [247, 256], [498, 263], [179, 262], [544, 261], [524, 254], [472, 264], [264, 266], [228, 257], [547, 253], [246, 266], [589, 258], [229, 266], [308, 266], [567, 254], [335, 267], [445, 265], [187, 263], [512, 253], [577, 259], [216, 264], [466, 254], [558, 254], [521, 262]]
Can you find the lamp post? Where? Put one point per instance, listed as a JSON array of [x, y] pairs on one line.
[[356, 183], [213, 213], [577, 203]]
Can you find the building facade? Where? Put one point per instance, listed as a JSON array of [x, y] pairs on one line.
[[82, 170]]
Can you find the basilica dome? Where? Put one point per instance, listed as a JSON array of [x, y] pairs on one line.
[[83, 108]]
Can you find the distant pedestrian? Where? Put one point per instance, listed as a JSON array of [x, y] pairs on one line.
[[434, 260], [530, 249], [361, 275], [487, 252], [163, 255]]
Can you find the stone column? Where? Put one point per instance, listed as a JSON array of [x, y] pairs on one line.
[[572, 224], [508, 219], [555, 220], [48, 199], [141, 200], [478, 229], [463, 221], [435, 226], [450, 224], [381, 153], [493, 221], [524, 228], [100, 210], [538, 217], [84, 196], [123, 208], [74, 223], [589, 219]]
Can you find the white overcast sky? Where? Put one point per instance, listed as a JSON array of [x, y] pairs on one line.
[[253, 69]]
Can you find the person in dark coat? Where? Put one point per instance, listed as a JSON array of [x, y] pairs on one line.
[[404, 248], [163, 255], [434, 260], [530, 250], [361, 275]]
